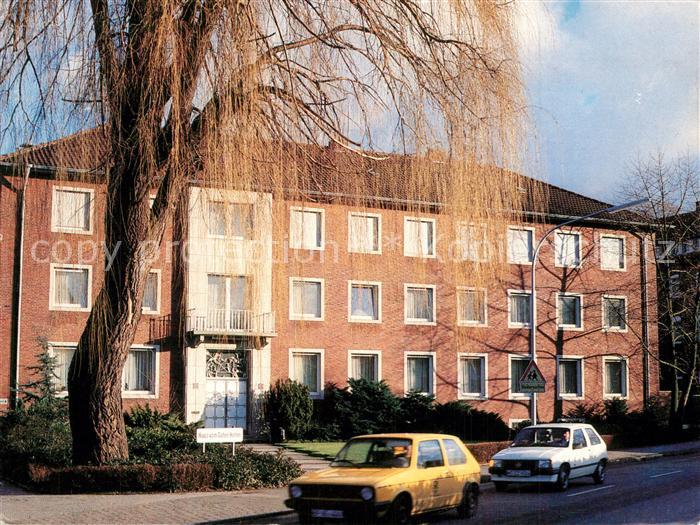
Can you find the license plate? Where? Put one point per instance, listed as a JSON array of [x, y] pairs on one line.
[[518, 473], [326, 513]]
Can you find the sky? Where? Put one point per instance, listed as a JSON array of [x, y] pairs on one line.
[[609, 81]]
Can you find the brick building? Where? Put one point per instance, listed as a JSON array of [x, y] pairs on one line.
[[251, 287]]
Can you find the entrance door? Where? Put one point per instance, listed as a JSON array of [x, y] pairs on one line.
[[227, 389]]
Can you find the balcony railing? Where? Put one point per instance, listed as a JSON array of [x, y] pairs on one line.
[[231, 322]]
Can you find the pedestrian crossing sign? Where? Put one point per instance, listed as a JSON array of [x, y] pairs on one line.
[[532, 381]]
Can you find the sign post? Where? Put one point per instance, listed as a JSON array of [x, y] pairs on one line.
[[231, 435]]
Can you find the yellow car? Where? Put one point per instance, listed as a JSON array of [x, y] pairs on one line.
[[391, 477]]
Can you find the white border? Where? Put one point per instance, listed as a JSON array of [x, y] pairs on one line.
[[581, 377], [557, 248], [511, 394], [484, 376], [433, 357], [569, 327], [144, 394], [352, 319], [297, 317], [320, 211], [68, 308], [50, 350], [377, 353], [624, 251], [532, 244], [157, 271], [91, 213], [602, 310], [626, 372], [378, 216], [405, 238], [519, 292], [317, 351], [475, 324], [419, 322]]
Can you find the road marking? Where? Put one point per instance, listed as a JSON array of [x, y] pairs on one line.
[[665, 474], [589, 491]]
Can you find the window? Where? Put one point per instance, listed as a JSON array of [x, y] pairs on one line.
[[517, 369], [615, 377], [570, 311], [231, 219], [520, 246], [365, 302], [471, 307], [612, 252], [593, 437], [570, 377], [62, 355], [472, 376], [151, 294], [614, 313], [306, 367], [71, 210], [306, 299], [579, 439], [472, 241], [419, 304], [430, 454], [455, 455], [70, 287], [227, 300], [364, 365], [306, 228], [420, 370], [364, 233], [518, 309], [419, 237], [139, 375], [567, 249]]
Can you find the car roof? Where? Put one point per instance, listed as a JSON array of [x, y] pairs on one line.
[[559, 425], [407, 435]]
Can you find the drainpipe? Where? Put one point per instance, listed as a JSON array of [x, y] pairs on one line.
[[645, 318], [20, 267]]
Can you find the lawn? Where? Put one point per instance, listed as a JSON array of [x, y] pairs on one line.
[[325, 449]]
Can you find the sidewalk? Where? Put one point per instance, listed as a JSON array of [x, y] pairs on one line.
[[18, 506]]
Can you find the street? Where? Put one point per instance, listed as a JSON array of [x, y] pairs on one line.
[[662, 491]]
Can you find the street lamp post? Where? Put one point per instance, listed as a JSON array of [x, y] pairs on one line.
[[533, 301]]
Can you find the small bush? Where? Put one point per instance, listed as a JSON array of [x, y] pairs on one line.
[[417, 412], [460, 419], [289, 407], [251, 470], [158, 438]]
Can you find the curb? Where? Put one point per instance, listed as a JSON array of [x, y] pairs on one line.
[[246, 519]]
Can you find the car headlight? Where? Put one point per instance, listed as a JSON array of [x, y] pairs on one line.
[[544, 463], [295, 491], [498, 463], [366, 493]]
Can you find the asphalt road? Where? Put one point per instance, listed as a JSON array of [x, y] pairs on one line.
[[662, 491]]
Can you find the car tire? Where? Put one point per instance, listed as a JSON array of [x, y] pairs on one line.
[[599, 473], [470, 502], [501, 486], [305, 518], [400, 510], [562, 482]]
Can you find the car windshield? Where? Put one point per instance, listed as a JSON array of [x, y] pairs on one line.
[[542, 437], [374, 453]]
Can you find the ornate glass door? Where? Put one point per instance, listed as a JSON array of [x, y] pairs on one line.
[[227, 389]]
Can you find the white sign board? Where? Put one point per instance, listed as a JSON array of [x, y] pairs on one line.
[[220, 435]]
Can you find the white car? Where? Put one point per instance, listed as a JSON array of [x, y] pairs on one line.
[[551, 453]]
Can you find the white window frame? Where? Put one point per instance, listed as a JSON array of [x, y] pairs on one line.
[[156, 271], [626, 381], [299, 317], [60, 344], [321, 366], [377, 353], [378, 216], [418, 322], [484, 377], [476, 324], [519, 292], [569, 327], [624, 249], [91, 211], [581, 377], [354, 319], [52, 283], [433, 357], [322, 213], [532, 253], [511, 394], [557, 249], [602, 308], [144, 394], [460, 245], [409, 253]]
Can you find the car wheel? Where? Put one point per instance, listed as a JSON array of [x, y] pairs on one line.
[[599, 474], [305, 518], [470, 502], [501, 486], [400, 511], [562, 482]]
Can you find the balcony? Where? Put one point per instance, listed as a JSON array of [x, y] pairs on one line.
[[231, 323]]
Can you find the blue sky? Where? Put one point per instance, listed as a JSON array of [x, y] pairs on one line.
[[608, 81]]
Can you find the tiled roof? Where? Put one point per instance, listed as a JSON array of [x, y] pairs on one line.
[[330, 170]]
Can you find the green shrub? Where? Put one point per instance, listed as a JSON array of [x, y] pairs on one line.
[[289, 408], [251, 470], [417, 412], [461, 419], [158, 438]]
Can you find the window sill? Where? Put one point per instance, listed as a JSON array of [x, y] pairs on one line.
[[138, 394], [417, 322], [570, 328], [59, 229], [470, 324], [420, 256], [315, 319], [614, 396], [521, 263], [518, 396], [570, 397], [150, 312], [364, 321], [359, 252], [314, 249], [55, 308], [615, 330], [614, 269], [472, 397], [518, 326], [574, 266]]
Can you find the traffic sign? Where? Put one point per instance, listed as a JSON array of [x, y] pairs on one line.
[[532, 381]]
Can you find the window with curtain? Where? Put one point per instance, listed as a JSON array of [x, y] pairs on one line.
[[570, 311], [614, 313], [307, 299], [569, 377], [364, 302], [419, 238], [150, 294], [419, 374], [473, 242], [612, 253], [419, 304], [364, 366], [306, 369], [520, 246], [519, 308], [471, 305], [472, 371], [568, 249], [363, 230], [140, 371], [517, 369], [239, 293], [242, 220], [71, 287], [217, 218], [615, 377], [71, 210], [306, 229], [62, 355]]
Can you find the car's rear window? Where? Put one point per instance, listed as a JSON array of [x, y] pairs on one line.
[[455, 455], [430, 454], [592, 436]]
